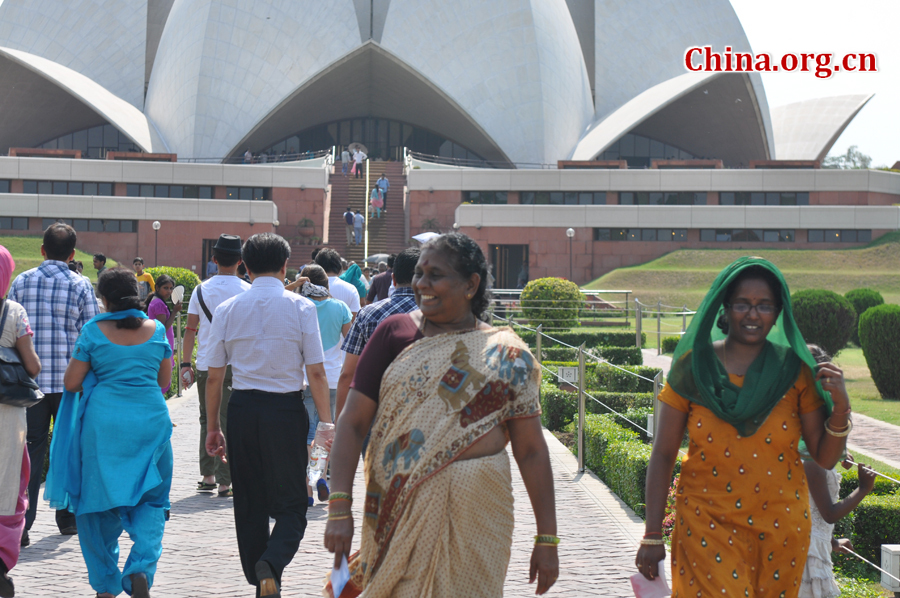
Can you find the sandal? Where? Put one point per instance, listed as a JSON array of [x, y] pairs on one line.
[[227, 493], [204, 487], [322, 489]]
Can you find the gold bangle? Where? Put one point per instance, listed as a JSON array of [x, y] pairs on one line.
[[330, 518], [546, 539], [843, 433], [340, 496], [336, 513], [546, 544], [652, 542]]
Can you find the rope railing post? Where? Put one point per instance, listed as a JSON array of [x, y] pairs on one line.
[[683, 318], [178, 351], [537, 341], [657, 387], [581, 408], [626, 308], [659, 327], [638, 323]]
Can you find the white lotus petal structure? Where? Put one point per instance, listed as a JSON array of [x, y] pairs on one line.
[[516, 83]]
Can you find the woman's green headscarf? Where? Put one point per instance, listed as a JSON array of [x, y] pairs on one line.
[[353, 275], [698, 375]]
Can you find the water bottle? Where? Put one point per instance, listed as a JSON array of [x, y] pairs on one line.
[[318, 460]]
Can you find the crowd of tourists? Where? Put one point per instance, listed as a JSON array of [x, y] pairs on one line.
[[429, 393]]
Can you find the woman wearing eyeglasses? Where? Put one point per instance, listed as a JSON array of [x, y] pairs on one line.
[[748, 390]]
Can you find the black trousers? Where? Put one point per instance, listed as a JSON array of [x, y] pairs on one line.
[[38, 418], [267, 453]]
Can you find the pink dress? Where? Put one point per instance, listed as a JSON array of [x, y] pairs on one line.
[[158, 308]]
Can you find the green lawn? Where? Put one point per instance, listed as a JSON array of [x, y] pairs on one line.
[[26, 251], [683, 277], [864, 397]]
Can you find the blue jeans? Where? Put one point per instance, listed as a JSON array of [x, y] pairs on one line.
[[357, 232], [345, 168]]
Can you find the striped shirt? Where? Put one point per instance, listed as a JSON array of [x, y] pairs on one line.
[[58, 303], [402, 301]]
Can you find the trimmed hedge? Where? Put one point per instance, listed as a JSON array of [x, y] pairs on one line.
[[669, 343], [824, 318], [614, 379], [559, 408], [861, 300], [553, 302], [591, 339], [876, 521], [625, 463], [879, 336], [616, 355]]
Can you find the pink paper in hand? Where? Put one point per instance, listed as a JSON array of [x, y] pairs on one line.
[[645, 588]]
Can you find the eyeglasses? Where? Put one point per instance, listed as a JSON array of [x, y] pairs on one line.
[[763, 309]]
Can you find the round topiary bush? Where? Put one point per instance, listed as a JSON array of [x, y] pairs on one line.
[[879, 335], [862, 299], [182, 276], [824, 318], [553, 302]]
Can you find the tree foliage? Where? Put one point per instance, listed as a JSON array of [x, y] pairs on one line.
[[852, 159]]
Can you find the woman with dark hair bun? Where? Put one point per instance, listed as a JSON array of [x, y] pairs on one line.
[[111, 457], [443, 393]]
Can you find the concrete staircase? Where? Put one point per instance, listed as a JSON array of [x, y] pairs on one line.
[[386, 234]]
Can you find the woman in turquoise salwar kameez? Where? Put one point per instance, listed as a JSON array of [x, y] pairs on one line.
[[112, 439]]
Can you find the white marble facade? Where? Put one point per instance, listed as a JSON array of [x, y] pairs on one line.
[[515, 68]]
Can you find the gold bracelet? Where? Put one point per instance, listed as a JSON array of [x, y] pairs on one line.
[[330, 518], [551, 544], [843, 433], [546, 539], [652, 542], [340, 496]]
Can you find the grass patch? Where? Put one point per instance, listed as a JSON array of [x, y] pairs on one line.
[[684, 276], [26, 251]]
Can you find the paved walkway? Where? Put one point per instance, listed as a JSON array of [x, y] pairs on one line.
[[200, 558]]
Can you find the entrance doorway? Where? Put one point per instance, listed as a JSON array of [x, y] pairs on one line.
[[510, 266], [208, 245]]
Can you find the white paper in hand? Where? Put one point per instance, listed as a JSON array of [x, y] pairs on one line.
[[644, 588], [340, 577]]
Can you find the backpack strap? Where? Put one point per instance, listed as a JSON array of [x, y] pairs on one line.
[[205, 309]]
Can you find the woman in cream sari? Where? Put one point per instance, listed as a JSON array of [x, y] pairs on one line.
[[443, 393]]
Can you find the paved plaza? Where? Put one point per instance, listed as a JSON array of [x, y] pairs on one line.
[[599, 536]]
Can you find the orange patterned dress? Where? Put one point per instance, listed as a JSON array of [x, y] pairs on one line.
[[742, 508]]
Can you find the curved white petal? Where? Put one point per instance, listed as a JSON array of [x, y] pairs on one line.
[[807, 130]]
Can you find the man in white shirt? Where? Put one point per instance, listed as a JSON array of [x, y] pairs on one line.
[[330, 260], [204, 301], [358, 158], [345, 161], [267, 335]]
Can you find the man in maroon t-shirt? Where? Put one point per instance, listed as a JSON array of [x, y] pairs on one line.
[[378, 290]]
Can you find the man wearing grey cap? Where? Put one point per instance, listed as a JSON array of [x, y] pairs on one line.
[[204, 301]]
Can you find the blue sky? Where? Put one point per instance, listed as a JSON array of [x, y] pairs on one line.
[[871, 26]]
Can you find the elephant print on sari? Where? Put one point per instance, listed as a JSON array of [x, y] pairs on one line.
[[406, 447], [510, 363], [461, 376]]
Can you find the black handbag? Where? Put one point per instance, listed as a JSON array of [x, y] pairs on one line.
[[17, 388]]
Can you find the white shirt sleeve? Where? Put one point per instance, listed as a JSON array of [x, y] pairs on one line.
[[217, 356], [194, 305], [311, 344]]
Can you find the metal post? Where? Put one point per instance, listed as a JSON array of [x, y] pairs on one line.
[[581, 408], [537, 342], [178, 351], [683, 318], [366, 207], [638, 322], [657, 387], [626, 308], [659, 327]]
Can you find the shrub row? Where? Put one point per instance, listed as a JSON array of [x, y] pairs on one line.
[[559, 408], [876, 521], [617, 355], [606, 378], [590, 339]]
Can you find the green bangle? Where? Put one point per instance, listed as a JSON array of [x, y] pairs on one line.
[[340, 496], [546, 539]]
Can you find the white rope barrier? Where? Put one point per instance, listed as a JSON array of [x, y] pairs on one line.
[[863, 559]]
